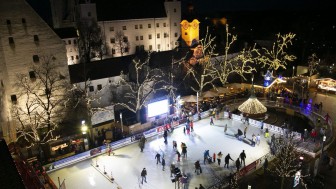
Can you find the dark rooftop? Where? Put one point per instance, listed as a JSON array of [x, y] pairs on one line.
[[64, 33], [129, 9], [100, 69]]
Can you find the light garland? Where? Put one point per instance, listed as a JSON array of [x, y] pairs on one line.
[[252, 106]]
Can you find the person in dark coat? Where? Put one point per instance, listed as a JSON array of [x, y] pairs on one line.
[[265, 165], [143, 175], [178, 155], [163, 164], [238, 164], [157, 157], [201, 187], [165, 135], [198, 168], [142, 143], [206, 155], [227, 160], [242, 157]]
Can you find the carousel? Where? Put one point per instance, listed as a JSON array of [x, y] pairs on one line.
[[252, 107]]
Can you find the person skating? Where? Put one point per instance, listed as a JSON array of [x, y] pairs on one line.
[[142, 143], [258, 139], [225, 128], [238, 164], [198, 168], [172, 169], [174, 145], [165, 135], [266, 133], [219, 158], [206, 154], [242, 157], [143, 175], [245, 130], [227, 160], [163, 164], [253, 139], [184, 150], [157, 157], [178, 155], [214, 157], [211, 120]]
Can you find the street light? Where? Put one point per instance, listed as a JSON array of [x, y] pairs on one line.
[[324, 139], [197, 103], [293, 71], [84, 127], [122, 127]]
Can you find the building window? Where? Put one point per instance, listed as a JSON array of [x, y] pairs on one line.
[[175, 24], [136, 26], [159, 46], [13, 98], [11, 40], [77, 57], [36, 38], [89, 14], [149, 25], [125, 39], [8, 22], [150, 36], [165, 35], [99, 87], [140, 26], [32, 75], [36, 58], [111, 28], [113, 51], [124, 28], [126, 49], [164, 24], [137, 38], [72, 57], [141, 37], [174, 10], [150, 47], [91, 88], [69, 42], [157, 25], [112, 40], [175, 34], [158, 35], [23, 20]]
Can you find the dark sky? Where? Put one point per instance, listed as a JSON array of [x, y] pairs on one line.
[[231, 5]]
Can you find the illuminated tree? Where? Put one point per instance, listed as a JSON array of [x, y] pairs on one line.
[[200, 67], [121, 44], [277, 57], [145, 84], [285, 164], [40, 102], [240, 63], [313, 62]]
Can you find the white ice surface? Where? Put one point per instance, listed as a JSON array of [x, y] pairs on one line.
[[128, 161]]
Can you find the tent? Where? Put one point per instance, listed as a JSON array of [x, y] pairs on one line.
[[221, 90]]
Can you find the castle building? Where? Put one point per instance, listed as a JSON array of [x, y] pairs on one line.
[[24, 38]]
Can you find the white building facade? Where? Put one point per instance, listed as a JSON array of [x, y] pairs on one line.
[[24, 38]]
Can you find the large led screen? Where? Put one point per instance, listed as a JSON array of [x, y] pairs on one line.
[[157, 108]]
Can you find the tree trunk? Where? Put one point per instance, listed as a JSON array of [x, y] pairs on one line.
[[282, 182], [138, 116]]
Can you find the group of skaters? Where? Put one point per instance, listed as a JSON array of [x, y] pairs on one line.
[[208, 159]]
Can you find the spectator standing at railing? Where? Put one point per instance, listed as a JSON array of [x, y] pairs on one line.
[[313, 134]]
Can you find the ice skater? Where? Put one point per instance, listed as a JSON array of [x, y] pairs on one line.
[[242, 157], [157, 157], [219, 158], [163, 164], [227, 160], [211, 120], [143, 175]]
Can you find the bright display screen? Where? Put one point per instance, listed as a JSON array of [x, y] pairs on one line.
[[157, 108]]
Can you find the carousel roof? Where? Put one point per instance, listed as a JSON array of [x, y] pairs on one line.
[[252, 106]]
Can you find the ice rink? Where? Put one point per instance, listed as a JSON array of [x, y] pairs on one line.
[[128, 162]]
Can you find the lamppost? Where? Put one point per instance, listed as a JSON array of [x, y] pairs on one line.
[[84, 129], [293, 71], [197, 103], [122, 127], [178, 106], [323, 140]]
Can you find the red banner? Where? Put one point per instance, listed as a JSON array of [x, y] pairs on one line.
[[247, 169]]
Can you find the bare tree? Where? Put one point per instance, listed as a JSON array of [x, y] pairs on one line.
[[200, 67], [285, 164], [90, 40], [40, 102], [240, 63], [313, 62], [146, 83], [121, 44], [277, 57]]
